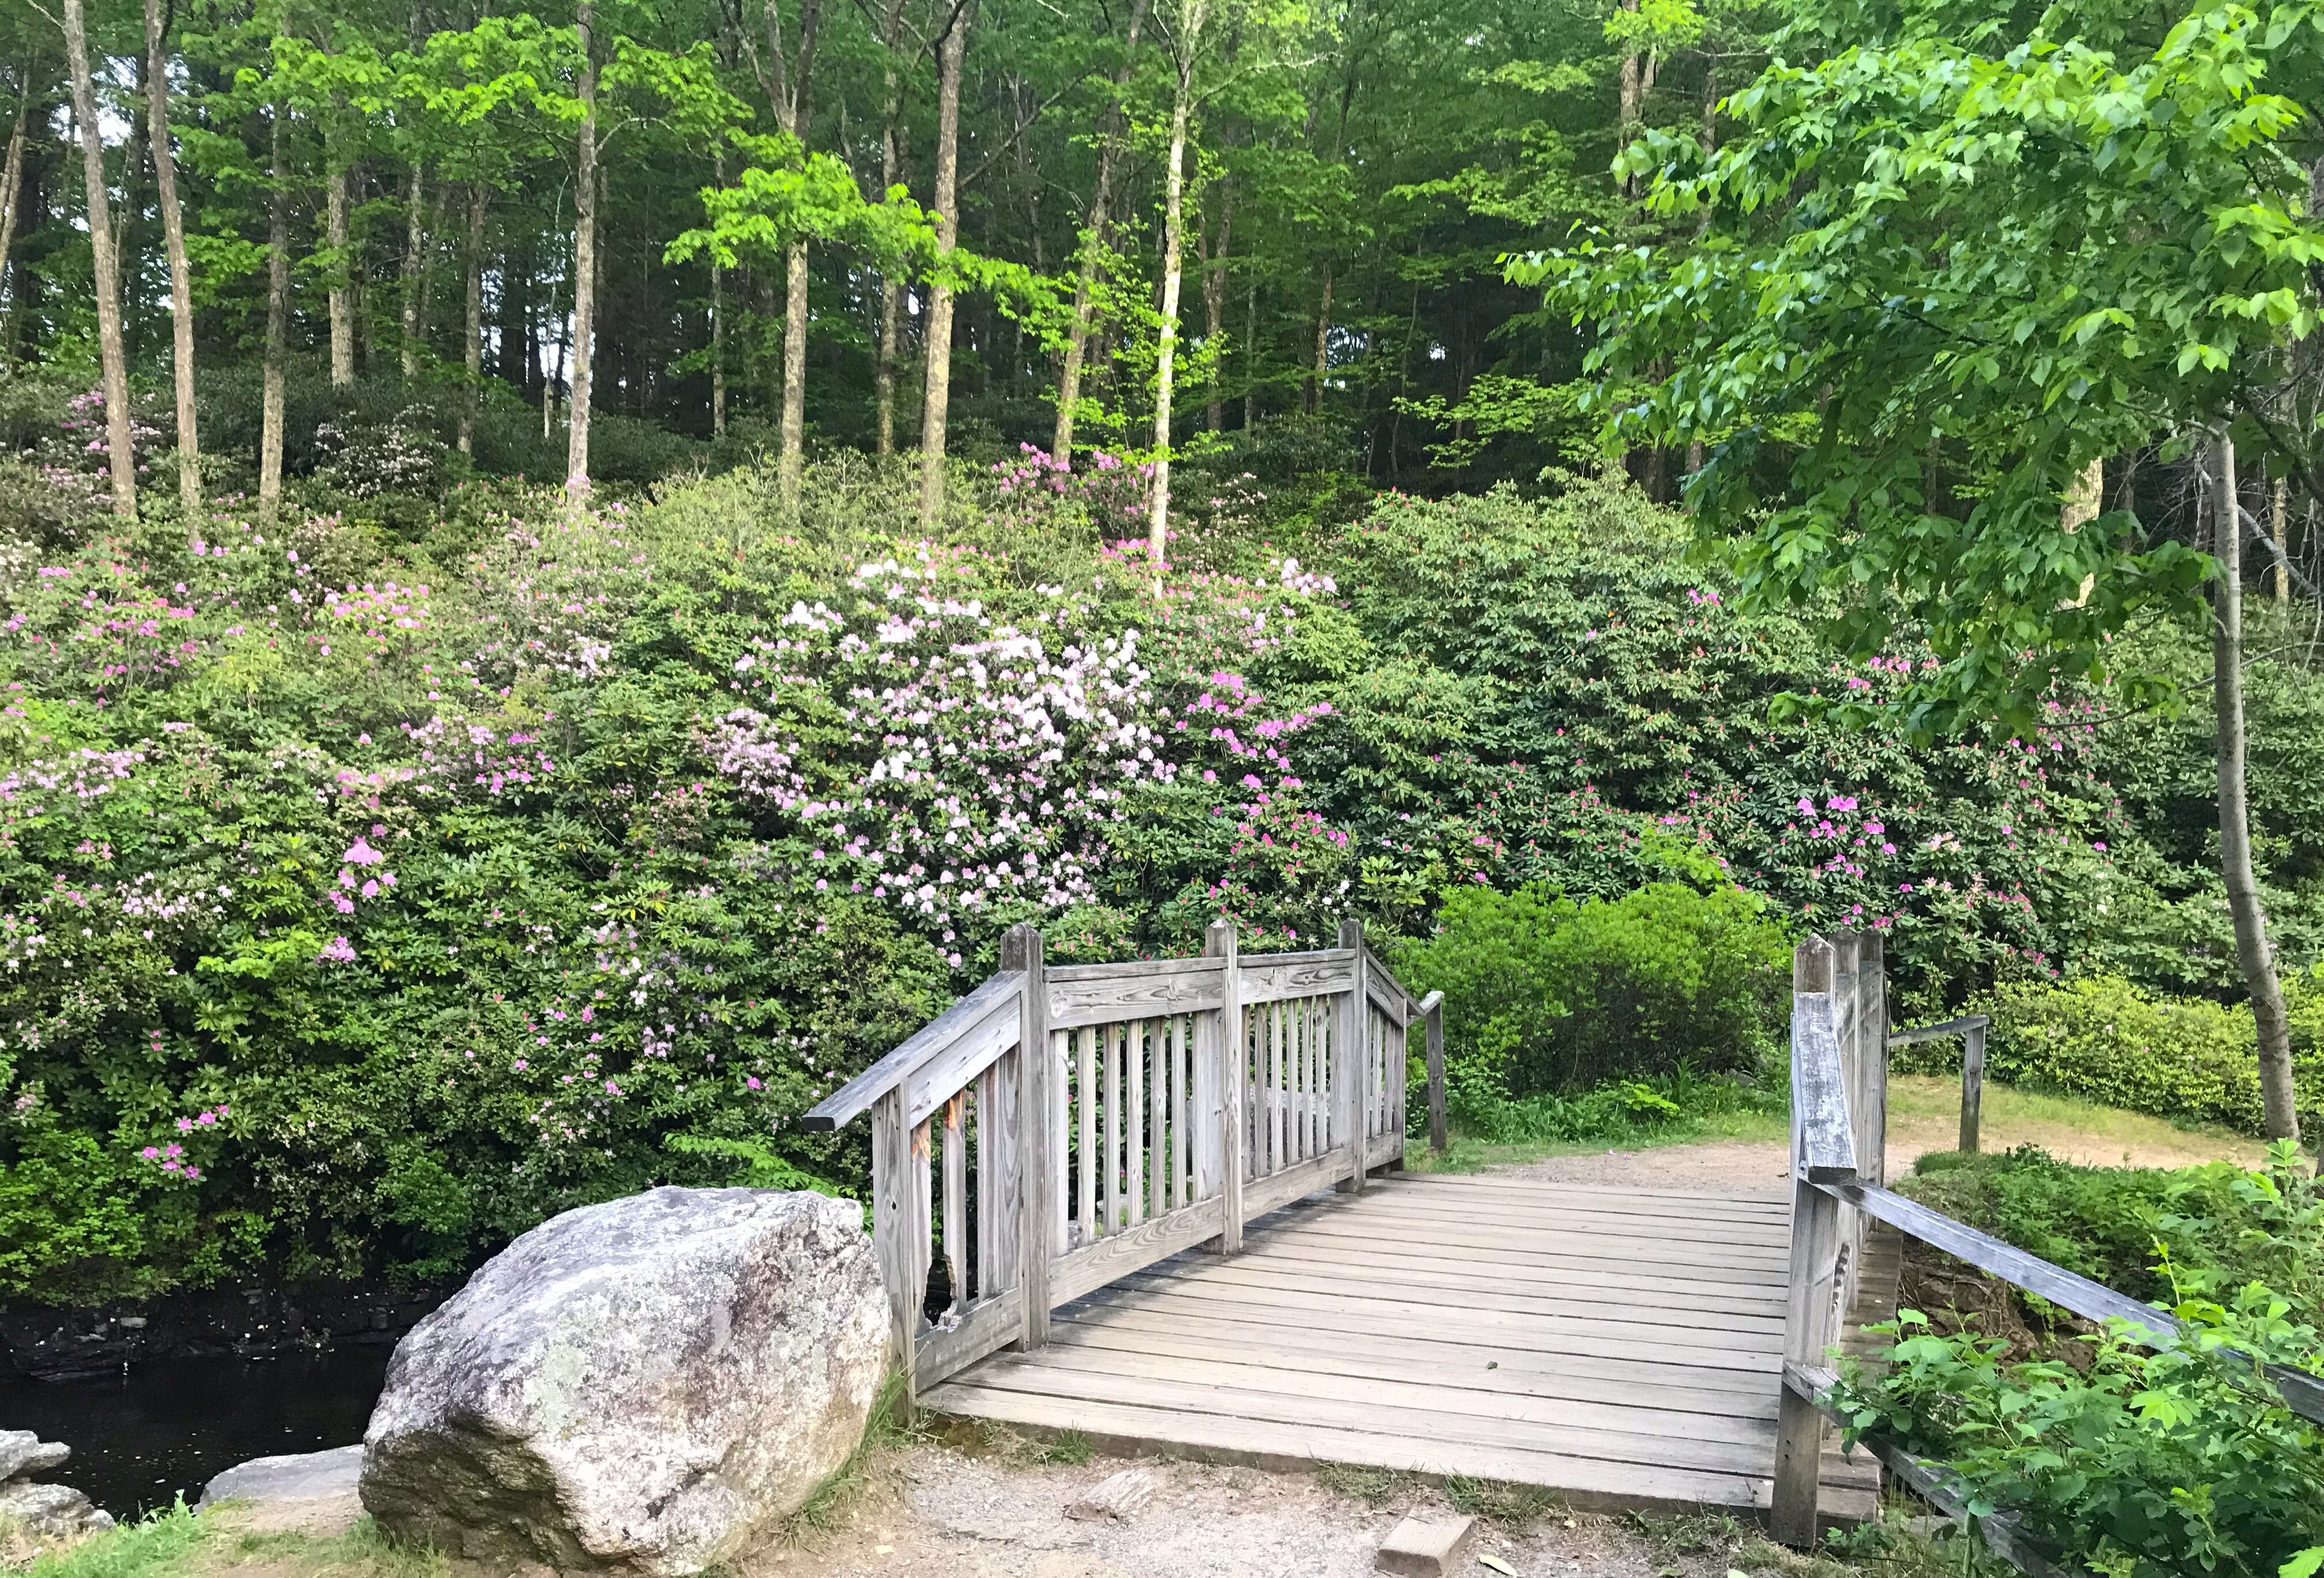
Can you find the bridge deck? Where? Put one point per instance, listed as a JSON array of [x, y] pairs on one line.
[[1622, 1347]]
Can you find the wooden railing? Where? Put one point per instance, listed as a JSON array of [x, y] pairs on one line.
[[1970, 1029], [1171, 1100], [1838, 1113]]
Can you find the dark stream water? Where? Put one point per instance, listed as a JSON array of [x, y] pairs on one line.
[[162, 1427]]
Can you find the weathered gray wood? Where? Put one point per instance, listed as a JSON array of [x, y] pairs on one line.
[[1087, 1168], [1157, 1117], [992, 1325], [1354, 1053], [1872, 1056], [1972, 1084], [1170, 986], [1109, 1205], [952, 1070], [1826, 1145], [1268, 978], [1118, 1255], [1809, 1330], [1280, 1188], [1432, 1014], [1229, 1067], [1133, 1112], [956, 1198], [899, 1183], [1059, 1070], [1200, 965], [856, 1096], [1036, 1134], [1278, 1110], [1182, 1114], [1933, 1032]]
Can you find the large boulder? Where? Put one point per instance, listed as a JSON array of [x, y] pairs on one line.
[[634, 1388]]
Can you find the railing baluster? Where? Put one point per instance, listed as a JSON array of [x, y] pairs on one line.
[[1157, 1117], [1225, 1068], [1133, 1157], [1060, 1120], [1085, 1164], [1036, 1149], [956, 1198], [1182, 1111], [1112, 1207], [990, 1135]]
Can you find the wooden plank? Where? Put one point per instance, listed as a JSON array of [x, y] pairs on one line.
[[1133, 1097], [1097, 1265], [956, 1198], [1086, 1165], [1226, 1069], [1157, 1116], [1826, 1147], [1407, 1210], [1741, 1350], [1037, 1138], [1647, 1315], [1587, 1484], [857, 1094], [1182, 1114], [898, 1180], [1198, 965], [1933, 1032], [1555, 1248], [1777, 1197], [1264, 978], [1277, 1110], [1609, 1273], [1305, 1178], [1060, 1073], [1042, 1376], [952, 1070], [1432, 1013], [988, 1325], [1972, 1103], [1143, 1319], [1110, 1178], [1596, 1380], [1810, 1327], [1347, 1116], [1384, 1267], [1185, 986]]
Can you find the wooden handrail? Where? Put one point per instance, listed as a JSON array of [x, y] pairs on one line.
[[1962, 1025], [925, 1045]]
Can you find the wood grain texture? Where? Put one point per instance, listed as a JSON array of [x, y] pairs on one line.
[[856, 1096], [1121, 1254], [988, 1325], [1186, 987]]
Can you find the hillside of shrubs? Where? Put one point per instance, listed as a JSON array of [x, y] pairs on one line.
[[374, 886]]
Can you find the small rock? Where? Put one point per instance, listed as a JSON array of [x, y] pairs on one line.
[[1424, 1548], [308, 1493], [1118, 1497], [23, 1453], [56, 1511]]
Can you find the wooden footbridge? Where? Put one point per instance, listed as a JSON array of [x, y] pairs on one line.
[[1163, 1204]]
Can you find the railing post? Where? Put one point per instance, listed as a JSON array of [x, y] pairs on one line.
[[1872, 1052], [1226, 1065], [1972, 1083], [1040, 1169], [1808, 1303], [1350, 1099], [1433, 1018], [900, 1229]]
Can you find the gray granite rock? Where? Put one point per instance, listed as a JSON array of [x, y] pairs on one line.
[[51, 1511], [634, 1388], [294, 1477], [23, 1453]]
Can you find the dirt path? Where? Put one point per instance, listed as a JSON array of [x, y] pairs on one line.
[[947, 1515]]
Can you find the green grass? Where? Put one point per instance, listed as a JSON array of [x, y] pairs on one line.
[[1924, 1113], [1468, 1153], [184, 1544]]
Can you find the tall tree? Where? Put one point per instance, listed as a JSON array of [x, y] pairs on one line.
[[1183, 26], [472, 320], [173, 240], [12, 193], [891, 285], [111, 356], [786, 71], [952, 48], [584, 266], [278, 314], [415, 262], [1094, 244]]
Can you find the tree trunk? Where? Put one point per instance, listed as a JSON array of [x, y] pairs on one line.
[[1069, 376], [2279, 532], [718, 323], [892, 292], [472, 324], [173, 238], [937, 398], [1251, 353], [2278, 1117], [792, 462], [1322, 347], [1174, 220], [343, 293], [12, 202], [585, 270], [415, 243], [1214, 310], [278, 326], [111, 352]]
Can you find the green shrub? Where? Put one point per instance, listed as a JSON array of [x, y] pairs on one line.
[[2105, 1040], [1545, 995]]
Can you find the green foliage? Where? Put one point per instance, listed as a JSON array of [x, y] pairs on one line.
[[2106, 1041], [1545, 994]]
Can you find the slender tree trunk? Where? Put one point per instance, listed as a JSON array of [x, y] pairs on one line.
[[111, 352], [415, 253], [585, 270], [278, 325], [718, 323], [1214, 310], [791, 464], [343, 293], [12, 201], [2279, 1116], [935, 401], [1069, 376], [1174, 224], [473, 323], [892, 292], [173, 238], [2279, 532], [1251, 353], [1322, 347]]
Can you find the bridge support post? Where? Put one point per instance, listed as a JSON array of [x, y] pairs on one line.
[[1349, 1098], [1038, 1164], [1810, 1308], [1230, 1067]]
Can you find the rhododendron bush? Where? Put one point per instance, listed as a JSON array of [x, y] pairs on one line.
[[365, 898]]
